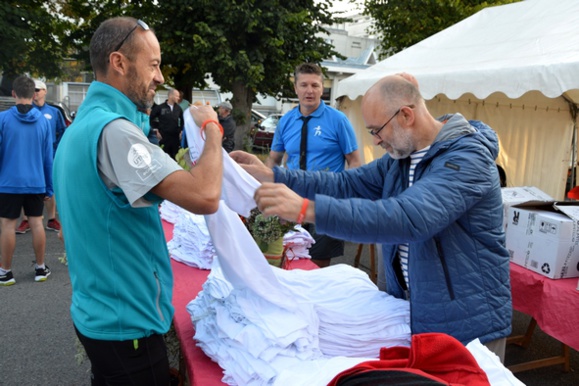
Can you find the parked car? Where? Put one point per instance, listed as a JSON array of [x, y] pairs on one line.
[[256, 119], [263, 136], [64, 110], [6, 102]]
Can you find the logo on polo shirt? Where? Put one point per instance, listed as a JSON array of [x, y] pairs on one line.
[[139, 156]]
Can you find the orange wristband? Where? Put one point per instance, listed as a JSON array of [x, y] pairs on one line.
[[208, 121], [302, 214]]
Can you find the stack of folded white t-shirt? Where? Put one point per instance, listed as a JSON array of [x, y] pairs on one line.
[[298, 243], [170, 212], [356, 318], [191, 243], [253, 339]]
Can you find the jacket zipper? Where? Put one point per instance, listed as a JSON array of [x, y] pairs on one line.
[[158, 298], [444, 268]]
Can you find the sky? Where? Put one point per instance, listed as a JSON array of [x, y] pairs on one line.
[[345, 5]]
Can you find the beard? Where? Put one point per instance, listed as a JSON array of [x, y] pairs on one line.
[[138, 93], [403, 146]]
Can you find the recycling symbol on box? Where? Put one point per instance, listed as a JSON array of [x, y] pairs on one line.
[[545, 268]]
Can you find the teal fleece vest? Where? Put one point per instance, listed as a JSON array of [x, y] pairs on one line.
[[117, 255]]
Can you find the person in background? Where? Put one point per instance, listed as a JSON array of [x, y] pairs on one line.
[[117, 254], [153, 135], [168, 119], [26, 145], [58, 127], [228, 124], [434, 203], [329, 142], [183, 103]]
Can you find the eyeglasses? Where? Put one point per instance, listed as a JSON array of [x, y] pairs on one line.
[[376, 132], [36, 90], [141, 23]]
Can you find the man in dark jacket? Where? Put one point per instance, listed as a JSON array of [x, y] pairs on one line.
[[433, 202], [168, 119], [228, 124]]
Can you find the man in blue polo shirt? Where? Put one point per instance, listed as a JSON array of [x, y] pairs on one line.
[[329, 143]]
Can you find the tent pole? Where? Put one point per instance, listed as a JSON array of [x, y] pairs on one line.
[[574, 109]]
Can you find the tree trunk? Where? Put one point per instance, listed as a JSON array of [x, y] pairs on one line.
[[182, 84], [242, 102]]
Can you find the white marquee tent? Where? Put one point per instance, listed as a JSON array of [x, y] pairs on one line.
[[515, 67]]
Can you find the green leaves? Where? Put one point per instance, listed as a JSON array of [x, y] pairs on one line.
[[267, 229], [30, 36]]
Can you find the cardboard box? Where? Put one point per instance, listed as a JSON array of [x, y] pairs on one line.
[[545, 238], [522, 194]]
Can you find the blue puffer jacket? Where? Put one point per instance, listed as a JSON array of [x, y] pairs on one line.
[[451, 217]]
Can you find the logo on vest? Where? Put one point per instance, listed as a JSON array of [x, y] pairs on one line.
[[138, 156]]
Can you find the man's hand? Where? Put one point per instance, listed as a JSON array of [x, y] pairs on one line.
[[279, 200], [252, 165], [202, 113]]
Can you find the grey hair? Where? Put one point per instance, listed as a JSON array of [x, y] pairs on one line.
[[398, 91]]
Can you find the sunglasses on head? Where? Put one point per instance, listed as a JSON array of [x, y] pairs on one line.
[[141, 23]]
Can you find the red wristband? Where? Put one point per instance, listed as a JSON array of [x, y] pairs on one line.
[[302, 214], [208, 121]]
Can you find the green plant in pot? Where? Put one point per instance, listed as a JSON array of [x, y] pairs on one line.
[[268, 233]]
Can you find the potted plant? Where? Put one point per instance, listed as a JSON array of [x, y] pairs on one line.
[[268, 233]]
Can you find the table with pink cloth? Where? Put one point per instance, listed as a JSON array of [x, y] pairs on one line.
[[553, 304]]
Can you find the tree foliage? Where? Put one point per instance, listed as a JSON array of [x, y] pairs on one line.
[[31, 33], [40, 37], [89, 14], [402, 23]]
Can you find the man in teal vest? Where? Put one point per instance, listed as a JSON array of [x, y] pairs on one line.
[[109, 181]]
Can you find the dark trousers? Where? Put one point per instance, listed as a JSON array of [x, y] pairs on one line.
[[140, 362], [171, 145], [325, 247]]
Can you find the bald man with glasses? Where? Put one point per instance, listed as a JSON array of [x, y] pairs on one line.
[[434, 203]]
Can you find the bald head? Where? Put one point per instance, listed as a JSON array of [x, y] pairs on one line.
[[409, 78], [393, 91]]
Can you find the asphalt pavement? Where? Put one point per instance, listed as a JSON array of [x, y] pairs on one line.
[[38, 344], [38, 340]]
